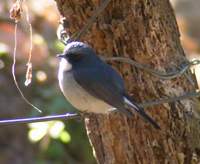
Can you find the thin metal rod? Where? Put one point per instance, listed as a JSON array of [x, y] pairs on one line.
[[67, 116]]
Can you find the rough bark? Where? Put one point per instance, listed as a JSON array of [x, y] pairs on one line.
[[145, 31]]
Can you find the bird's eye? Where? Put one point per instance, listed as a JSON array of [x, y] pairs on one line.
[[76, 57]]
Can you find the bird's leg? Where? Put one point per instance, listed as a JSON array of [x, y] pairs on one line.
[[84, 114]]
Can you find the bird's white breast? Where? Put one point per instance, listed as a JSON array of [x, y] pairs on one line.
[[76, 95]]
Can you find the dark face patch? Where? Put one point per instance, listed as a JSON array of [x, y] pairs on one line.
[[72, 58]]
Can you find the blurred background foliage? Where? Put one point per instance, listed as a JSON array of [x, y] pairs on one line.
[[46, 142], [54, 142]]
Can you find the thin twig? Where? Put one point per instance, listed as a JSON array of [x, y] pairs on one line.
[[67, 116], [13, 73], [31, 33], [29, 64]]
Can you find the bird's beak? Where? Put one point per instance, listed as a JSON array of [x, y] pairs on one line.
[[60, 55]]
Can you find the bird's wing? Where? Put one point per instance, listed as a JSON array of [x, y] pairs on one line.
[[103, 83], [107, 85]]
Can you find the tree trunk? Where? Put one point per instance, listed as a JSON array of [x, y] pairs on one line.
[[145, 31]]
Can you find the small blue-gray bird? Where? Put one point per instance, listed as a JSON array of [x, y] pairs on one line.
[[93, 86]]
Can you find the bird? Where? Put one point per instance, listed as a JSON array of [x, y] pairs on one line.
[[92, 86]]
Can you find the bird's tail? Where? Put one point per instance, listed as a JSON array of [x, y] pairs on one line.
[[128, 101]]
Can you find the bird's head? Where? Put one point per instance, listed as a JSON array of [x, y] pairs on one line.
[[76, 52]]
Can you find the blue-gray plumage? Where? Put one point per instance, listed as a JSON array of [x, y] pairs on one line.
[[91, 85]]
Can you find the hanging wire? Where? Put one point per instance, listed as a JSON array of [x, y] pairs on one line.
[[162, 75], [64, 36]]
